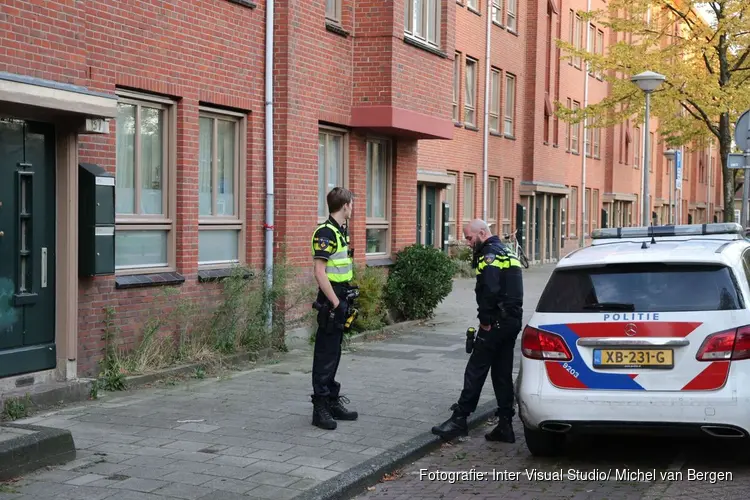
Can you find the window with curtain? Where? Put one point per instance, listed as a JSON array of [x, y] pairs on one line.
[[469, 190], [330, 166], [450, 198], [220, 198], [510, 104], [144, 175], [378, 211], [422, 20], [495, 100], [507, 205], [492, 196], [470, 99]]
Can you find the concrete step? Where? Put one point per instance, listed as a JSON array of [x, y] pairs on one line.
[[26, 448]]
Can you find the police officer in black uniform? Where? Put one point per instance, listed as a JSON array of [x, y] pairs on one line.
[[333, 269], [499, 294]]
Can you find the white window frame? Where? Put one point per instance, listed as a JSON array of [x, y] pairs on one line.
[[456, 86], [234, 222], [343, 171], [600, 51], [494, 121], [144, 222], [575, 130], [333, 10], [451, 197], [468, 217], [497, 12], [597, 142], [511, 15], [377, 222], [509, 127], [507, 199], [573, 215], [421, 32], [493, 187], [470, 91]]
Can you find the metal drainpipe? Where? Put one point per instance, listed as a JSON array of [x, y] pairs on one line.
[[485, 146], [582, 241], [269, 155]]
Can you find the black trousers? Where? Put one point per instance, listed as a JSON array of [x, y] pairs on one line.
[[326, 357], [493, 350]]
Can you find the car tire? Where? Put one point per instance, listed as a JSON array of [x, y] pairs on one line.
[[544, 443]]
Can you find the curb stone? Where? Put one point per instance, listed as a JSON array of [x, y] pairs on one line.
[[354, 481], [362, 336], [37, 447], [76, 391]]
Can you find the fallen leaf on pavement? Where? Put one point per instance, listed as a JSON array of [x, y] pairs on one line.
[[393, 476]]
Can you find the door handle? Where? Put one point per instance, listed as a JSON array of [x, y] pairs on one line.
[[44, 267]]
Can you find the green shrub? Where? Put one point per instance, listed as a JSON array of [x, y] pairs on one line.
[[372, 310], [419, 280]]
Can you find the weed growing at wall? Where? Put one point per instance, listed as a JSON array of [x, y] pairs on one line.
[[184, 329]]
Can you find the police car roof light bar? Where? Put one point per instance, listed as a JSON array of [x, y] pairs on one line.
[[671, 230]]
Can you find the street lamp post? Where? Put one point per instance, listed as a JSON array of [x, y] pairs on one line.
[[648, 81], [670, 154]]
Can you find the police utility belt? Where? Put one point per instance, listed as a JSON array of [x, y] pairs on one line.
[[344, 292]]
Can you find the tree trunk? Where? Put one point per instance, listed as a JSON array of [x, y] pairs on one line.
[[725, 147]]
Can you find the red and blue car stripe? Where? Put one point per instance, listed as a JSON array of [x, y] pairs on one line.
[[576, 374]]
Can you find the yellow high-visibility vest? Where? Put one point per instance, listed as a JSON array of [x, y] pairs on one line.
[[340, 267]]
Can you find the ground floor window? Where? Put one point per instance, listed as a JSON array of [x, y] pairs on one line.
[[378, 210], [145, 180]]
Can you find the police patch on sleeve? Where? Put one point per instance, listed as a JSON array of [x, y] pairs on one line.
[[323, 244], [489, 258]]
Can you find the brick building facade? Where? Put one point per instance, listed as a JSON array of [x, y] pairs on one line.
[[554, 180], [168, 99]]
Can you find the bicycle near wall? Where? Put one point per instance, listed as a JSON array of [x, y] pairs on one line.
[[512, 241]]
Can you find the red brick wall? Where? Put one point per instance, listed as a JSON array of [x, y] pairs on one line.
[[464, 154], [210, 51], [327, 75]]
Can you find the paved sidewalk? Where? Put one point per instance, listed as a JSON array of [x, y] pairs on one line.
[[249, 436]]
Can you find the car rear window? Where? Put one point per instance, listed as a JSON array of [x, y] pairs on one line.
[[651, 287]]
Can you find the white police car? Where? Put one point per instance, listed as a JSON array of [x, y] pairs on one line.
[[647, 329]]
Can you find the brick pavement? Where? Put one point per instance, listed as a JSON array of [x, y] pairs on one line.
[[649, 470], [249, 436]]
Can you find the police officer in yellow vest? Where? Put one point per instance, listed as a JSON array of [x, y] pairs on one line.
[[499, 295], [333, 268]]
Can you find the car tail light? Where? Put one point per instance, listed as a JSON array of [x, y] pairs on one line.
[[730, 344], [538, 344]]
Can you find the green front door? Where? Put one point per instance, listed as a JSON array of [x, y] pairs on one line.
[[27, 247]]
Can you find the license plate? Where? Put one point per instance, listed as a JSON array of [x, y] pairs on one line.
[[633, 358]]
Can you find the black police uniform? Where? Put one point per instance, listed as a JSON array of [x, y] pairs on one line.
[[327, 402], [499, 295]]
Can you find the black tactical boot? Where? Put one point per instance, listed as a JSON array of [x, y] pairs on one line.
[[322, 414], [454, 426], [503, 432], [339, 411]]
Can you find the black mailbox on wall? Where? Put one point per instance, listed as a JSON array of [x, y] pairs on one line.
[[96, 216]]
